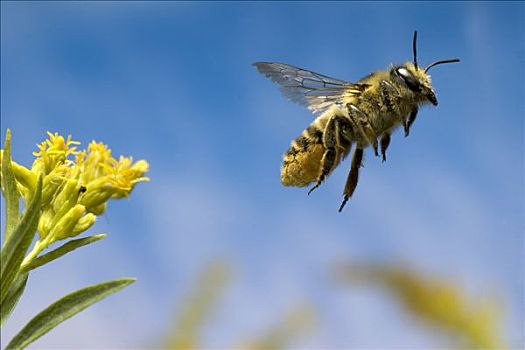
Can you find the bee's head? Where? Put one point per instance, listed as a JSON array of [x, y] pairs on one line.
[[416, 78]]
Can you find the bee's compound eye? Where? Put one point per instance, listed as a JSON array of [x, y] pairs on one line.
[[409, 79], [403, 72]]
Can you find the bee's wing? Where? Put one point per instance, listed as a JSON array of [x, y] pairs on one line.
[[316, 91]]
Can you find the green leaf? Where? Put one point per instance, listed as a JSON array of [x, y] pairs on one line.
[[63, 309], [16, 246], [9, 190], [60, 251], [14, 294]]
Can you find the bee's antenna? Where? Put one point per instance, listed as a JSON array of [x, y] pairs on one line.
[[441, 62], [414, 48]]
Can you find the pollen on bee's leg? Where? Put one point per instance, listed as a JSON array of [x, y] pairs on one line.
[[287, 177], [302, 161], [300, 168]]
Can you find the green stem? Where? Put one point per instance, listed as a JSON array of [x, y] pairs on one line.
[[39, 246]]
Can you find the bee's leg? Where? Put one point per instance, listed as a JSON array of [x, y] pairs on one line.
[[410, 120], [360, 120], [385, 142], [351, 181], [344, 136], [330, 143], [390, 96]]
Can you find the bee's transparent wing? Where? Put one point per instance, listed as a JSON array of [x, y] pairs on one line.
[[316, 91]]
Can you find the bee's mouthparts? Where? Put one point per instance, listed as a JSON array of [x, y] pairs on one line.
[[432, 98]]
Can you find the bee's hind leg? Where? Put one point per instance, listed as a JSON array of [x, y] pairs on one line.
[[331, 143], [385, 142], [353, 176]]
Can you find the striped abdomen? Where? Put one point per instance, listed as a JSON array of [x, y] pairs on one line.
[[302, 161]]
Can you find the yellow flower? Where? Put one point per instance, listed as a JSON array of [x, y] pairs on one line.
[[53, 182], [52, 152], [436, 301], [74, 192], [64, 227], [297, 323], [198, 306], [90, 163], [104, 177]]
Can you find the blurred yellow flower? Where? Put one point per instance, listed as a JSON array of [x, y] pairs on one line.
[[282, 335], [439, 302], [198, 307]]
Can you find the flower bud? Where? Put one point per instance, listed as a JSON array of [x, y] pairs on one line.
[[64, 227], [52, 183], [98, 192], [24, 176], [99, 209], [84, 223], [46, 222], [67, 196]]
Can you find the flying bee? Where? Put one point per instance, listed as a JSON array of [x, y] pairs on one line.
[[348, 113]]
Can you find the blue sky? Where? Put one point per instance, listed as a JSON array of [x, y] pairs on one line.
[[173, 83]]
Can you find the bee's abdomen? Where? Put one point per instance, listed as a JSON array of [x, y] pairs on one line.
[[302, 161]]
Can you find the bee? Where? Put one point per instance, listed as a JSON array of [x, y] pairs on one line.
[[348, 114]]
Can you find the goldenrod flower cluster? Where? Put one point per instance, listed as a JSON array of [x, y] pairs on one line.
[[439, 302], [74, 191]]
